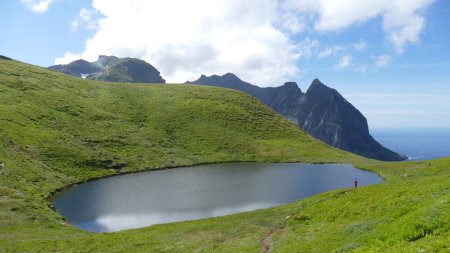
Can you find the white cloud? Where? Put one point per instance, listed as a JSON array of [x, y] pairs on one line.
[[334, 50], [359, 46], [403, 21], [382, 60], [37, 5], [343, 62], [184, 39], [67, 58], [403, 30], [291, 23], [256, 39], [330, 51], [307, 48], [85, 18]]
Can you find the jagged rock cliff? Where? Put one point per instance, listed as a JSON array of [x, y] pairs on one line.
[[321, 111], [328, 116]]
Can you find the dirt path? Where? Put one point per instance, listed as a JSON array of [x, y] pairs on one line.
[[266, 241]]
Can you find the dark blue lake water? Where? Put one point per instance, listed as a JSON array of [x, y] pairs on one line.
[[417, 144], [143, 199]]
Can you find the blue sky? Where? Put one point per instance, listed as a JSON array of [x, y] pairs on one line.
[[391, 60]]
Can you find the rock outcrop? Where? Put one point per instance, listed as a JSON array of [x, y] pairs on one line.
[[112, 69]]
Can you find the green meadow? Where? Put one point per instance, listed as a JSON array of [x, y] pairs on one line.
[[57, 131]]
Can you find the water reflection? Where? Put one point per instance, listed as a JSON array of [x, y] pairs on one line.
[[127, 221]]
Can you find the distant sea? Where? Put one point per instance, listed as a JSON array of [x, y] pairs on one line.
[[417, 144]]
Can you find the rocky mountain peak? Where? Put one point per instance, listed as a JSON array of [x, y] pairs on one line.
[[231, 78], [318, 91], [105, 61], [113, 69], [318, 87], [291, 87]]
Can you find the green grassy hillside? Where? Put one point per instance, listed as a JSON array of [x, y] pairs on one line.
[[56, 130]]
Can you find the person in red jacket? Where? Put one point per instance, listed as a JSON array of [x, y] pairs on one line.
[[355, 183]]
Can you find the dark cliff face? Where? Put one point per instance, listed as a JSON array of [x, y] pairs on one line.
[[328, 116], [321, 111], [113, 69], [284, 99], [325, 114]]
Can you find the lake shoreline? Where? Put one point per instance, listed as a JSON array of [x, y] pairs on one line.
[[277, 184], [61, 190]]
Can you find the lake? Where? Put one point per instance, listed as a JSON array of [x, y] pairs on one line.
[[155, 197]]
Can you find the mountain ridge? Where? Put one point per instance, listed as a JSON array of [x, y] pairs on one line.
[[321, 111]]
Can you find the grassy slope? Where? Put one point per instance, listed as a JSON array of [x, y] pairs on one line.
[[56, 130]]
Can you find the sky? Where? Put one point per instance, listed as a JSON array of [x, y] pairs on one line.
[[389, 58]]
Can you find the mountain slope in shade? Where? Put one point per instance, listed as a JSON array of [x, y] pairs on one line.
[[321, 111], [328, 116], [112, 69]]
